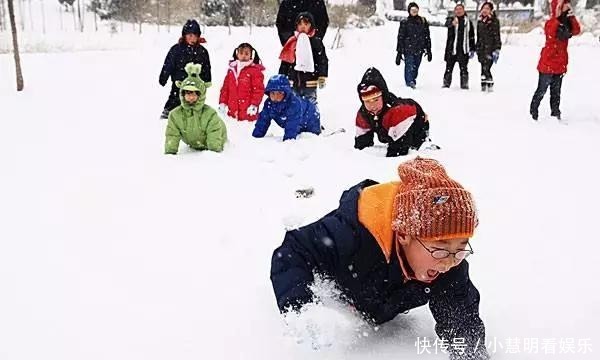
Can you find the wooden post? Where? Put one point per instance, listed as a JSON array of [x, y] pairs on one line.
[[13, 27]]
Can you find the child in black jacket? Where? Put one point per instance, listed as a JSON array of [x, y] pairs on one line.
[[187, 50]]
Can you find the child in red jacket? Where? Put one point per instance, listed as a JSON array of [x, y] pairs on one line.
[[243, 87], [554, 57]]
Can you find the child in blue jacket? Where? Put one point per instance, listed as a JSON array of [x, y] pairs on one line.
[[290, 111]]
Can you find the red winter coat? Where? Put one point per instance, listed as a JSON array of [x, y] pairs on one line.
[[240, 92], [555, 57]]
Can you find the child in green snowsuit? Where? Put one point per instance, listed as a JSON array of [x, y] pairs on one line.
[[194, 122]]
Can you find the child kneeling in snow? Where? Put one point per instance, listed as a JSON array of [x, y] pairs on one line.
[[400, 123], [390, 248], [293, 113], [194, 122], [243, 87]]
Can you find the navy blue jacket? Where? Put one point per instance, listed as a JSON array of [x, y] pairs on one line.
[[413, 36], [294, 113], [179, 55], [341, 248]]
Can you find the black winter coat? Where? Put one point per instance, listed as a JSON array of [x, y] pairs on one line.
[[352, 257], [414, 137], [458, 33], [289, 10], [413, 36], [181, 54], [305, 79], [488, 37]]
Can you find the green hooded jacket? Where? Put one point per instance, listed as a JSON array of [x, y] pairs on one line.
[[198, 125]]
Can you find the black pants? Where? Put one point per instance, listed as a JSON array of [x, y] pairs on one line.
[[487, 80], [554, 81], [173, 100], [463, 62]]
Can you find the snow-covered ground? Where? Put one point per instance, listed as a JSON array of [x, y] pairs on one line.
[[111, 250]]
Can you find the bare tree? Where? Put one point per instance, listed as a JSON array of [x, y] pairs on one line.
[[13, 27], [43, 17], [2, 16], [79, 15]]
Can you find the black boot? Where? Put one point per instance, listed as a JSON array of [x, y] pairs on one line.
[[534, 114], [464, 83]]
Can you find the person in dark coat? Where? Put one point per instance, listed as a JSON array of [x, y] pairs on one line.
[[288, 12], [303, 59], [414, 42], [293, 113], [488, 44], [460, 46], [554, 57], [390, 248], [187, 50], [400, 123]]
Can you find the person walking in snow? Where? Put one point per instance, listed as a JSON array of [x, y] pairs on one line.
[[390, 248], [188, 49], [288, 13], [243, 87], [554, 57], [400, 123], [488, 44], [293, 113], [460, 46], [303, 59], [194, 122], [414, 42]]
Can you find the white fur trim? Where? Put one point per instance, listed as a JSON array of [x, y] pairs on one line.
[[361, 131], [396, 132]]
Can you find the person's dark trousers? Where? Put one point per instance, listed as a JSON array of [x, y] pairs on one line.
[[554, 81], [411, 68], [463, 62], [487, 80], [173, 100], [309, 94]]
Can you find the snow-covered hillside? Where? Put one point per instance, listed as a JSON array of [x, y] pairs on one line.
[[112, 250]]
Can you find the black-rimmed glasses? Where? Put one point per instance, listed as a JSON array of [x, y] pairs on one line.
[[442, 253]]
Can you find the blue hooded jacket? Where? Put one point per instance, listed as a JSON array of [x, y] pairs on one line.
[[294, 114]]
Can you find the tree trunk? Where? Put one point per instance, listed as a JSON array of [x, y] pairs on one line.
[[13, 27], [79, 15], [2, 24], [30, 16], [43, 17]]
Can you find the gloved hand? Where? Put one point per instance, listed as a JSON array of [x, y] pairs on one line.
[[495, 56], [471, 54], [399, 58], [429, 57], [322, 82], [252, 110], [162, 81], [223, 109]]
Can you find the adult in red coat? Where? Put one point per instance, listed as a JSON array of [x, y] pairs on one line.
[[243, 87], [554, 58]]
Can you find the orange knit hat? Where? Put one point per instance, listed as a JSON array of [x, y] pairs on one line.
[[430, 205]]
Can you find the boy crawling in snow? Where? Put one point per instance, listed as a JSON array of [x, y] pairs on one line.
[[400, 123], [293, 113], [194, 122], [390, 248]]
